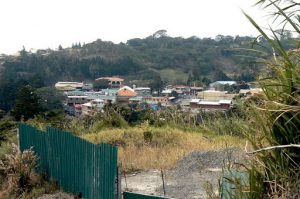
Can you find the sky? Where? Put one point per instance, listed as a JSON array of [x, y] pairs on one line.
[[41, 24]]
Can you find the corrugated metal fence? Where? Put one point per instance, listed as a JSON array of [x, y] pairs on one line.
[[232, 184], [130, 195], [77, 165]]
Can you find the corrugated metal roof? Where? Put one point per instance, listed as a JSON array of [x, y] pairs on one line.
[[195, 100]]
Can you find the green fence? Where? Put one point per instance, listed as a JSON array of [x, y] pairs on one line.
[[232, 183], [130, 195], [78, 166]]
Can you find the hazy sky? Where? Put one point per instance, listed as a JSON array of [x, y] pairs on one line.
[[48, 23]]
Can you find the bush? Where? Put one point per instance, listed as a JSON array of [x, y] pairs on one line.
[[19, 170]]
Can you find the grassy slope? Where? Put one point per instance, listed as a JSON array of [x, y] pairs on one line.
[[163, 150]]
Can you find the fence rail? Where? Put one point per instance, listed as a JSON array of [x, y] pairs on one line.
[[77, 165], [130, 195]]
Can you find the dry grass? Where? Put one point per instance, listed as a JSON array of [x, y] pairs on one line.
[[166, 147]]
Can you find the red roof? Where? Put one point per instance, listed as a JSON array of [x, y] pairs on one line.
[[126, 92]]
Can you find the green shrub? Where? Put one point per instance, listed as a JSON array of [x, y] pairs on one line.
[[148, 136]]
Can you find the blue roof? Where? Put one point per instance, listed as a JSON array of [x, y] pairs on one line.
[[227, 82]]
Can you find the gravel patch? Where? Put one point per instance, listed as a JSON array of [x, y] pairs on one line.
[[199, 161], [189, 178]]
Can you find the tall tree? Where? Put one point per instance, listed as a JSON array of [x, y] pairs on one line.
[[27, 104]]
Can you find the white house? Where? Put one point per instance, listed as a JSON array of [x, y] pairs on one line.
[[68, 86], [92, 107]]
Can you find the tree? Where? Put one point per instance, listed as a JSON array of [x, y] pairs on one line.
[[174, 94], [219, 75], [23, 53], [27, 104], [50, 98], [156, 83], [160, 33], [60, 47], [37, 81], [2, 113], [100, 84]]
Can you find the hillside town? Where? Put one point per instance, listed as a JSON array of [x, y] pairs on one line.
[[82, 99]]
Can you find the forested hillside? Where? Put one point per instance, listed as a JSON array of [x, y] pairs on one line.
[[154, 61]]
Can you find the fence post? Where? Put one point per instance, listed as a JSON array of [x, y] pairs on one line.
[[118, 184]]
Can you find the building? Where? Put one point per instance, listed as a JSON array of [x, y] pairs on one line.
[[182, 89], [143, 91], [195, 89], [124, 94], [167, 92], [164, 101], [136, 100], [87, 87], [210, 105], [74, 93], [79, 99], [253, 91], [68, 86], [92, 107], [212, 95], [230, 83], [113, 82], [222, 85]]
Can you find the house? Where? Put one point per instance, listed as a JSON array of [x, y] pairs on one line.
[[210, 105], [167, 92], [221, 85], [251, 92], [77, 110], [143, 91], [136, 100], [106, 98], [113, 82], [68, 86], [194, 103], [164, 101], [195, 89], [182, 89], [79, 99], [213, 95], [74, 93], [230, 83], [87, 87], [92, 107], [124, 94]]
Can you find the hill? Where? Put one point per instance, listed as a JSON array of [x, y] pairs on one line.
[[155, 55], [154, 61]]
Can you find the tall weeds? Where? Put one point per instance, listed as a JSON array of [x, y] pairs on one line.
[[276, 121]]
